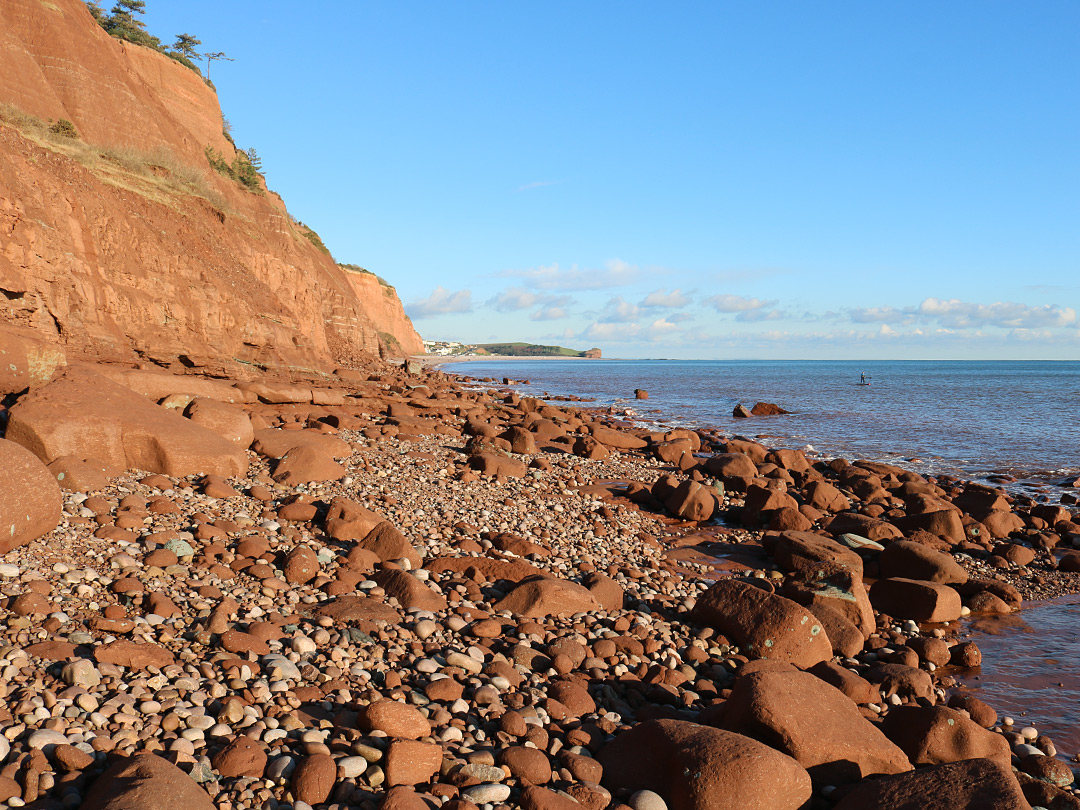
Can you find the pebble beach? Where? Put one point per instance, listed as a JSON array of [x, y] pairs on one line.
[[415, 591]]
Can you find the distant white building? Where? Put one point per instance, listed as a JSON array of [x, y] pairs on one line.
[[444, 347]]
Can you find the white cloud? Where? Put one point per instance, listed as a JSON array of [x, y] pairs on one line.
[[618, 310], [513, 299], [615, 273], [614, 332], [1005, 314], [956, 314], [752, 315], [441, 302], [736, 303], [661, 300], [550, 313], [661, 327], [879, 315]]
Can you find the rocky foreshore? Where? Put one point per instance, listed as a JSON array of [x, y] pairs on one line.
[[388, 589]]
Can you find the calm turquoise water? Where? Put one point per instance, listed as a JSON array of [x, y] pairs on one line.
[[961, 417]]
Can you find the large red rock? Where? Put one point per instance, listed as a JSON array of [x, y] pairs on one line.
[[409, 591], [30, 500], [978, 499], [618, 439], [26, 360], [306, 464], [492, 463], [863, 525], [846, 639], [973, 784], [395, 719], [588, 447], [736, 470], [124, 653], [806, 718], [932, 735], [276, 443], [1001, 524], [76, 474], [696, 767], [692, 501], [227, 421], [522, 440], [902, 680], [944, 523], [917, 600], [754, 450], [145, 782], [548, 596], [812, 556], [363, 611], [841, 593], [348, 520], [826, 497], [389, 544], [301, 565], [910, 560], [854, 686], [314, 778], [763, 624], [787, 459], [609, 593], [410, 762], [761, 503], [241, 757], [81, 413], [158, 385]]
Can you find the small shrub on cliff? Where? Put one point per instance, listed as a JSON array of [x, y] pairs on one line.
[[64, 129], [245, 172], [315, 239], [355, 268], [218, 163]]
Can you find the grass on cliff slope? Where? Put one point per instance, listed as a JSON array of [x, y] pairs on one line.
[[156, 175], [355, 268]]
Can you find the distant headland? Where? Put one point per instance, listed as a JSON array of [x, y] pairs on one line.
[[450, 348]]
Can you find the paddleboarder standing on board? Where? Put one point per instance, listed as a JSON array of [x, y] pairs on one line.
[[863, 380]]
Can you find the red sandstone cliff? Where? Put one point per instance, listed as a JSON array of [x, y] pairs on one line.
[[126, 244]]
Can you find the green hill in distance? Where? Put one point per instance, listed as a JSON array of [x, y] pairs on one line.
[[534, 350]]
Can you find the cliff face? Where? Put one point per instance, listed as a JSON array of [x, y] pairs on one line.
[[126, 244]]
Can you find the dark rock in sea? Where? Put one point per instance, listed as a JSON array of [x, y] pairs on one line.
[[767, 409], [741, 411]]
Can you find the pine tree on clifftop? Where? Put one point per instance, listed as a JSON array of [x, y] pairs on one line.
[[123, 23], [185, 45]]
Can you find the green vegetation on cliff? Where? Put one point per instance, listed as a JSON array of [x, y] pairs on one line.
[[123, 22]]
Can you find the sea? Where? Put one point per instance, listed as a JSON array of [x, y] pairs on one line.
[[971, 419]]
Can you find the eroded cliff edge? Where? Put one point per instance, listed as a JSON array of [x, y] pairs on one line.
[[124, 244]]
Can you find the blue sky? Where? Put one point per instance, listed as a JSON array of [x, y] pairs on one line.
[[730, 180]]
